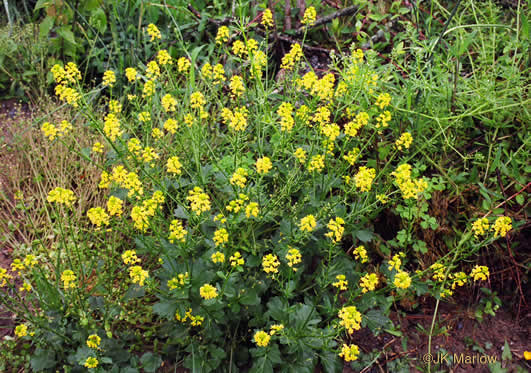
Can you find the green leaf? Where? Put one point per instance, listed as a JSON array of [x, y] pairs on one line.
[[376, 321], [98, 20], [42, 359], [45, 26], [165, 309], [364, 235], [42, 4], [331, 362], [67, 34], [250, 297], [506, 354], [150, 362]]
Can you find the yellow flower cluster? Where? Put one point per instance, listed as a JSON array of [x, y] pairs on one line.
[[405, 140], [182, 279], [341, 282], [270, 263], [352, 156], [183, 65], [169, 103], [294, 257], [361, 119], [308, 223], [109, 78], [382, 121], [61, 196], [129, 257], [221, 237], [208, 291], [153, 32], [149, 89], [218, 257], [480, 227], [91, 362], [21, 330], [138, 275], [402, 280], [300, 154], [69, 279], [111, 127], [395, 262], [197, 100], [263, 165], [349, 352], [239, 177], [236, 259], [383, 100], [195, 320], [309, 16], [316, 163], [237, 86], [52, 131], [410, 188], [364, 178], [164, 57], [350, 318], [285, 112], [336, 227], [480, 273], [261, 338], [237, 120], [275, 328], [223, 35], [140, 214], [199, 200], [171, 126], [69, 74], [438, 271], [458, 279], [98, 216], [131, 74], [502, 225], [68, 95], [267, 18], [173, 166], [292, 57], [252, 210], [369, 282], [93, 341]]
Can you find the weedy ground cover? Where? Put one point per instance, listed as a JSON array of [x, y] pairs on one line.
[[232, 223]]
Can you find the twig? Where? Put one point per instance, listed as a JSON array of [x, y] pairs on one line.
[[9, 21], [340, 13]]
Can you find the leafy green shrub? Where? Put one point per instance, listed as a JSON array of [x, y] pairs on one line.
[[239, 226]]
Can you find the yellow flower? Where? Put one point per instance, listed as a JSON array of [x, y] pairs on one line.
[[171, 126], [316, 163], [275, 328], [129, 257], [285, 112], [368, 282], [4, 276], [181, 280], [93, 341], [21, 331], [144, 117], [197, 100], [70, 95], [177, 231], [480, 227], [238, 48], [402, 280], [352, 156], [149, 89], [480, 273], [174, 165], [222, 35], [221, 236], [308, 223], [61, 196], [169, 103], [115, 205], [502, 225], [300, 154], [183, 64], [252, 210], [309, 16], [239, 177], [349, 352], [292, 57], [30, 261], [395, 261], [337, 228], [17, 265], [458, 279], [382, 198], [341, 282], [405, 141], [98, 216], [270, 263], [138, 275], [164, 57], [154, 32], [350, 318], [218, 257], [263, 165], [527, 355], [236, 259], [438, 271], [69, 278], [261, 338], [49, 130], [111, 127], [208, 291], [91, 362], [97, 147], [26, 286], [364, 178], [199, 201], [383, 100], [383, 119], [131, 74], [237, 85], [267, 18], [109, 78], [294, 257]]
